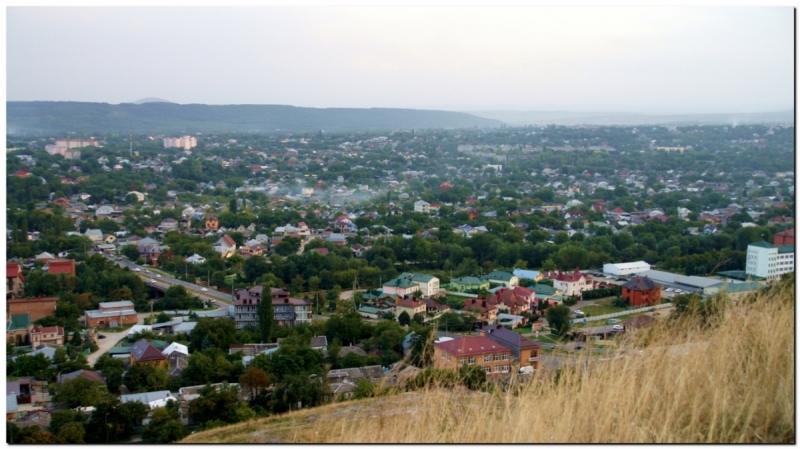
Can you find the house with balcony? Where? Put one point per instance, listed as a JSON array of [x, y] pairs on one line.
[[493, 357], [524, 351], [287, 311]]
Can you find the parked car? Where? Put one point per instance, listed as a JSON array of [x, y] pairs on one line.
[[579, 313], [618, 327], [526, 370], [670, 290], [677, 290], [101, 336]]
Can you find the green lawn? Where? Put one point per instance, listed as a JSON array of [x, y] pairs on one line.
[[601, 307]]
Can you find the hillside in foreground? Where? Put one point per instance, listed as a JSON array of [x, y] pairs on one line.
[[163, 117], [724, 373]]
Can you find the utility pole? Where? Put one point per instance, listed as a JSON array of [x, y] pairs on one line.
[[130, 141]]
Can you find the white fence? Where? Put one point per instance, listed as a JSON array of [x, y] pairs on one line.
[[624, 312]]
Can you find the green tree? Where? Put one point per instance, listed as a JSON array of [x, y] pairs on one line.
[[558, 318], [165, 425], [266, 315], [404, 319], [130, 251], [79, 392], [72, 433]]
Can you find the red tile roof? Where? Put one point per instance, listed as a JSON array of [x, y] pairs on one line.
[[13, 270], [469, 346], [66, 266], [58, 330]]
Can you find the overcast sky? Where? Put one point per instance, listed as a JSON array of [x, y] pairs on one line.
[[636, 59]]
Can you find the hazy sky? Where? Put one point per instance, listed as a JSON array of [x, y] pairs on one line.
[[643, 59]]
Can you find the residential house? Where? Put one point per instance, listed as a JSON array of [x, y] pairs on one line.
[[412, 306], [91, 375], [95, 235], [481, 310], [572, 284], [530, 275], [501, 278], [15, 281], [212, 223], [287, 311], [60, 266], [422, 206], [144, 352], [492, 356], [168, 224], [152, 399], [524, 351], [428, 285], [53, 335], [177, 357], [401, 286], [196, 259], [225, 246], [468, 284], [508, 301], [641, 291]]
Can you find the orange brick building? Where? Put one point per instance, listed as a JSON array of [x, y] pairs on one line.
[[36, 307], [493, 357], [57, 266], [117, 312], [641, 291], [144, 352], [212, 224], [524, 351], [784, 238]]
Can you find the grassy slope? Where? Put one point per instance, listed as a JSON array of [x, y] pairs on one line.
[[732, 382]]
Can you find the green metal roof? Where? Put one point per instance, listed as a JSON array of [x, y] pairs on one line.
[[19, 322], [468, 280], [544, 289], [120, 350], [762, 244], [784, 249], [400, 282], [369, 310], [418, 277], [499, 276]]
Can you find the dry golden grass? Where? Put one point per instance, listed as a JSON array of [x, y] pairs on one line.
[[730, 382]]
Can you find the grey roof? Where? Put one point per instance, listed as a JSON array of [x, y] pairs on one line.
[[11, 403], [115, 304], [48, 352], [145, 398], [525, 274], [110, 313], [672, 278], [185, 327], [509, 339]]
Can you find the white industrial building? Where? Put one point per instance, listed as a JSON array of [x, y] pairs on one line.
[[625, 269], [769, 261]]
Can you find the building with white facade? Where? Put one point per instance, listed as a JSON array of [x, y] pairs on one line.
[[422, 206], [185, 142], [625, 269], [769, 261]]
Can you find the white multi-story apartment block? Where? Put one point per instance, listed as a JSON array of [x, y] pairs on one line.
[[185, 142], [422, 206], [769, 261]]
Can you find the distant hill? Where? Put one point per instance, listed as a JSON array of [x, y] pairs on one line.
[[521, 118], [163, 117], [151, 100]]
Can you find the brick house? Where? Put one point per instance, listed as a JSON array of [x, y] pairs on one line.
[[57, 266], [15, 281], [509, 301], [492, 356], [524, 351], [36, 307], [53, 335], [212, 224], [641, 291], [117, 312], [481, 310], [144, 352], [784, 238]]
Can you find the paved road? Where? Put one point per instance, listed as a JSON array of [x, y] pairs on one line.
[[105, 344], [167, 280]]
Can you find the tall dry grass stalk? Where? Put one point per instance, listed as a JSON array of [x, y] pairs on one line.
[[732, 381]]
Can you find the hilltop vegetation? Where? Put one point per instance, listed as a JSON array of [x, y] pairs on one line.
[[722, 372], [53, 116]]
